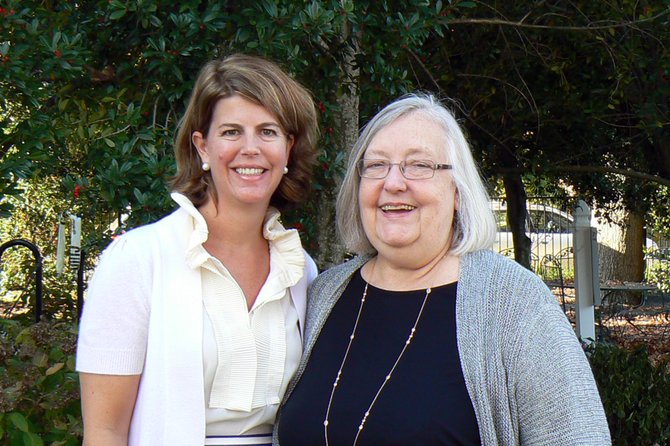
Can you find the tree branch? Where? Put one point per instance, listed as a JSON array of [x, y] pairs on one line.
[[594, 169], [440, 92], [521, 24]]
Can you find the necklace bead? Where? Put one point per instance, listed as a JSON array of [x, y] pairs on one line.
[[386, 379]]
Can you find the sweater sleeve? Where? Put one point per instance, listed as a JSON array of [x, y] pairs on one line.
[[555, 394], [114, 324]]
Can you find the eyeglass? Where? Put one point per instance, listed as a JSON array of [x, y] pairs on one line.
[[412, 170]]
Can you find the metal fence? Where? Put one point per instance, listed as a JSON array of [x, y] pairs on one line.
[[550, 225], [657, 261], [36, 304]]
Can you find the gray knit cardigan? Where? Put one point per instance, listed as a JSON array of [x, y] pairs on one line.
[[526, 373]]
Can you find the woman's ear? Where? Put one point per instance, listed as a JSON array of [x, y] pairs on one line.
[[200, 144], [290, 143]]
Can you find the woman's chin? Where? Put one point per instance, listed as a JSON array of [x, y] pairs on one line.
[[396, 242]]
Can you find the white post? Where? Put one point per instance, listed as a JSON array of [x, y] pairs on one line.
[[60, 246], [75, 241], [587, 277]]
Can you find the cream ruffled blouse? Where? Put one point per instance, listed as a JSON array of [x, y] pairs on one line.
[[248, 355]]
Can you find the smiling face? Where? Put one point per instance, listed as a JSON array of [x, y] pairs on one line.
[[408, 220], [247, 151]]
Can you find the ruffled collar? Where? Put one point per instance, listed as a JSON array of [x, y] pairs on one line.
[[286, 254]]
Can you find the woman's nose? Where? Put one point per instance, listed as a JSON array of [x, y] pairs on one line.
[[250, 145], [395, 180]]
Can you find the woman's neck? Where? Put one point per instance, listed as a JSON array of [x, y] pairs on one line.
[[235, 229], [384, 273]]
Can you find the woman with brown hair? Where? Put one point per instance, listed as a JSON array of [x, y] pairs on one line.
[[192, 326]]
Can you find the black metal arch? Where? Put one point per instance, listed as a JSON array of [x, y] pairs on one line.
[[38, 270]]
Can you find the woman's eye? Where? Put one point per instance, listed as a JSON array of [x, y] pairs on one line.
[[230, 132], [421, 164], [269, 132], [376, 165]]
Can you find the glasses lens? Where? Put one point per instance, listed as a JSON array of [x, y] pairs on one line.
[[419, 170], [412, 170], [376, 169]]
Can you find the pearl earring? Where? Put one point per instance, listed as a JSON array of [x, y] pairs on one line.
[[205, 166], [285, 170]]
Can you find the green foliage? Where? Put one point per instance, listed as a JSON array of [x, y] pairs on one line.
[[92, 91], [635, 394], [100, 102], [99, 86], [659, 217], [555, 275], [39, 388], [35, 218], [562, 96], [658, 269]]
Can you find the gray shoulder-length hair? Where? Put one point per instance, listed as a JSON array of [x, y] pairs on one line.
[[474, 224]]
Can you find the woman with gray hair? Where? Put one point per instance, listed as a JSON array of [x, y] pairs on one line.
[[427, 337]]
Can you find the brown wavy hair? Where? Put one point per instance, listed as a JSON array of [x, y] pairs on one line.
[[264, 83]]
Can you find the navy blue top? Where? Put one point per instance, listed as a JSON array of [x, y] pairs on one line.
[[424, 403]]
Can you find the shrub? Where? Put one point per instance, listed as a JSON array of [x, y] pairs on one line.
[[39, 388], [635, 394], [658, 269]]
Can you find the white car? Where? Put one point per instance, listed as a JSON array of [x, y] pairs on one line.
[[550, 230]]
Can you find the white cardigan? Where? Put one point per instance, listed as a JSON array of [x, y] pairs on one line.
[[154, 326]]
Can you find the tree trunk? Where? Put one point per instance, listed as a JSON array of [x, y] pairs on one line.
[[331, 251], [515, 194], [660, 149], [620, 247]]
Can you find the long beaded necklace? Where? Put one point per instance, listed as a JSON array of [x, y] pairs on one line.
[[361, 426]]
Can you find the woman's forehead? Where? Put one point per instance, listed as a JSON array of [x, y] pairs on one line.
[[428, 145], [382, 151]]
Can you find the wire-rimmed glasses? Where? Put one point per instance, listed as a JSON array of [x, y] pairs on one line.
[[412, 170]]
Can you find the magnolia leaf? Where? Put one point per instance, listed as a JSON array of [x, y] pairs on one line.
[[32, 439], [19, 421], [54, 368], [40, 359], [117, 14]]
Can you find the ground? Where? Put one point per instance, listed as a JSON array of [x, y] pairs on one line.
[[628, 322]]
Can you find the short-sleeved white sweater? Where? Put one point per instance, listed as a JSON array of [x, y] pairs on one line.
[[144, 315]]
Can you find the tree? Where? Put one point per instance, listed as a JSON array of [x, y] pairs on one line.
[[553, 90], [92, 92], [106, 104]]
